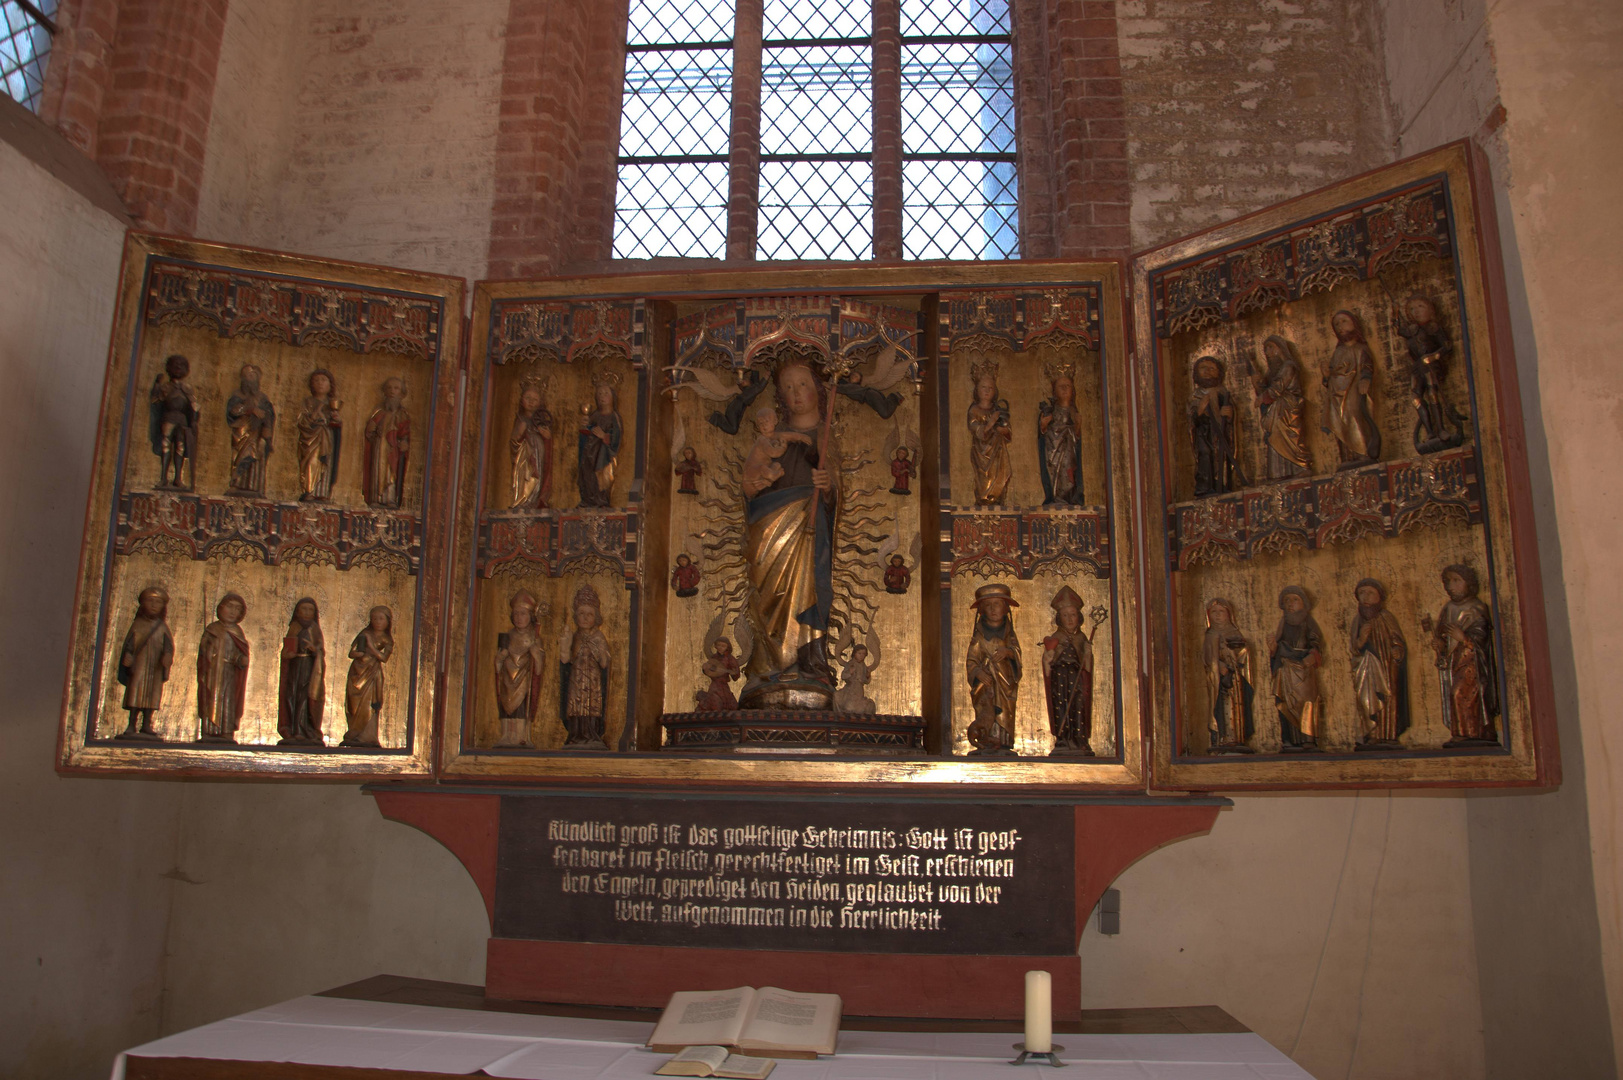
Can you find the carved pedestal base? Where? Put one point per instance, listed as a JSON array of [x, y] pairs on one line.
[[791, 728]]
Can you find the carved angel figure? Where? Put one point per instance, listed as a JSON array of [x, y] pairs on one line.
[[856, 673], [901, 450], [721, 668], [688, 470]]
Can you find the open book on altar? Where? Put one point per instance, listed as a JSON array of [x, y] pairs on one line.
[[768, 1021]]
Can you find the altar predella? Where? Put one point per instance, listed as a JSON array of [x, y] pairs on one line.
[[893, 524]]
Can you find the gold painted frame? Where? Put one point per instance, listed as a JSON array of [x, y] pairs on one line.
[[1511, 581], [460, 761], [252, 300]]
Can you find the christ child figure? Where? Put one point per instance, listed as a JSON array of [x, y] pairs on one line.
[[902, 471], [144, 661], [586, 675], [761, 467], [687, 471]]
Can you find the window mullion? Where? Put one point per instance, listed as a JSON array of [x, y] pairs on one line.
[[887, 129], [744, 148]]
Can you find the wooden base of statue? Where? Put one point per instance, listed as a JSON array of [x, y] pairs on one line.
[[791, 728], [480, 829]]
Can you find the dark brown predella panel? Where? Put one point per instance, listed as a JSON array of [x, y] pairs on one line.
[[794, 528]]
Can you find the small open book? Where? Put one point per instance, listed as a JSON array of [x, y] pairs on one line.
[[768, 1021], [716, 1061]]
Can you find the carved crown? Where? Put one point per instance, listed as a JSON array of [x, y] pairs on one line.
[[984, 366]]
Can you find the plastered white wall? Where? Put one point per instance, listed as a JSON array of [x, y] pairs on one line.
[[83, 899]]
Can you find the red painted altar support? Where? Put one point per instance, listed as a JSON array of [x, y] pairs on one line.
[[919, 908]]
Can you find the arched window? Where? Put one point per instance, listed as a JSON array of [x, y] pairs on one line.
[[779, 130]]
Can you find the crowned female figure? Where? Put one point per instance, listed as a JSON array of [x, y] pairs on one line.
[[531, 448], [586, 674], [1068, 676], [598, 440], [788, 545], [1059, 440], [989, 435]]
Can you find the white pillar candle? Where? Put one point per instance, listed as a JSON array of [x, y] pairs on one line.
[[1039, 1012]]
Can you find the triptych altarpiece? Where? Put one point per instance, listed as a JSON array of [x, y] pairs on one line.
[[1255, 514]]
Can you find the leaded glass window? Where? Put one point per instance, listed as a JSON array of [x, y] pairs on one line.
[[959, 182], [25, 45]]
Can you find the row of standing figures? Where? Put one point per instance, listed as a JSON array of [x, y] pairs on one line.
[[1347, 376], [521, 663], [250, 422], [147, 655], [599, 433], [1378, 653]]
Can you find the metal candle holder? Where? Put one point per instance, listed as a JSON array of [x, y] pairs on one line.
[[1052, 1054]]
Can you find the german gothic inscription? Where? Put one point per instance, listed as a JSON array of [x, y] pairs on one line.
[[827, 877]]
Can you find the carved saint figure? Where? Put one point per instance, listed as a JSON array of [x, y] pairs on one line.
[[721, 668], [222, 672], [388, 445], [1068, 675], [599, 440], [144, 661], [519, 660], [321, 431], [993, 667], [1380, 668], [1429, 349], [1279, 395], [531, 448], [989, 435], [1463, 642], [363, 689], [897, 576], [902, 471], [1211, 418], [788, 545], [687, 471], [173, 427], [1296, 650], [685, 578], [1347, 376], [852, 696], [1059, 441], [1230, 681], [251, 418], [586, 674], [302, 694]]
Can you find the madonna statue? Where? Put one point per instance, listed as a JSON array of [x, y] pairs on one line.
[[788, 544]]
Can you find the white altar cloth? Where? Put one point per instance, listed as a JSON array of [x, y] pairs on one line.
[[420, 1038]]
